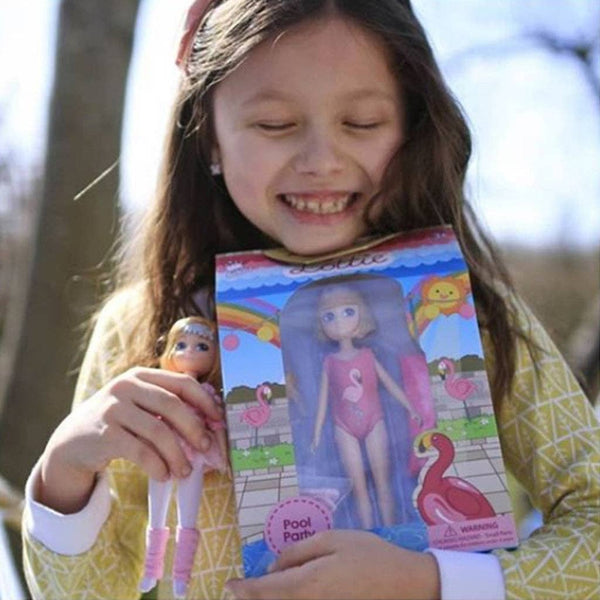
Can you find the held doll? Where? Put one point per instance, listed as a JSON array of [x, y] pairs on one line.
[[191, 348], [349, 383]]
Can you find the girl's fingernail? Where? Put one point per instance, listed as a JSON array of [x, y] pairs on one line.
[[186, 470]]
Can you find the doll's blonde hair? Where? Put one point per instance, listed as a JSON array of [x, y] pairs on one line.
[[200, 327], [336, 295]]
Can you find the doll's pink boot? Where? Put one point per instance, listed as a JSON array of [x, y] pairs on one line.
[[156, 543], [185, 548]]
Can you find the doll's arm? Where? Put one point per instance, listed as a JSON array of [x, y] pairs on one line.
[[321, 410], [395, 390]]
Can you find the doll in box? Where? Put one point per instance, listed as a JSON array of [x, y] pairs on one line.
[[349, 384], [191, 348]]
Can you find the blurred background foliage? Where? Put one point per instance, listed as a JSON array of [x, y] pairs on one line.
[[55, 252]]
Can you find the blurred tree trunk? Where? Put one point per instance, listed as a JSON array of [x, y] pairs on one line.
[[61, 282]]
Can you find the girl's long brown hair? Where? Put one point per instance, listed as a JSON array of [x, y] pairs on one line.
[[193, 217]]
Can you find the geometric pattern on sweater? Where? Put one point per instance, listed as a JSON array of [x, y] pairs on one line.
[[550, 439]]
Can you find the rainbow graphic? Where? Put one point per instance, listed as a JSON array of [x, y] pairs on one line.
[[253, 316]]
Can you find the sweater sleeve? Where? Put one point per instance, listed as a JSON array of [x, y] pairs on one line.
[[551, 442], [112, 565]]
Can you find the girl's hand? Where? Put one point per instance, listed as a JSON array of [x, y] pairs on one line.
[[344, 564], [120, 421]]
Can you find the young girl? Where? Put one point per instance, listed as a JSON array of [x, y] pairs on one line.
[[307, 124]]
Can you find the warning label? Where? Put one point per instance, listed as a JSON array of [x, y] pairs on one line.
[[478, 534]]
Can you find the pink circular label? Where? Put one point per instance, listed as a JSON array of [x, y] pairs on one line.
[[295, 519]]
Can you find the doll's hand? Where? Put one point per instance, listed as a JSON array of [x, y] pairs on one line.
[[120, 421], [344, 564], [314, 445]]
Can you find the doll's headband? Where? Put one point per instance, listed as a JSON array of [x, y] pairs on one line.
[[200, 330]]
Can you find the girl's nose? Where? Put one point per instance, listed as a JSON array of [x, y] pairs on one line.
[[319, 154]]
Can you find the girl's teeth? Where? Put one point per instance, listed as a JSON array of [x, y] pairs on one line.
[[323, 207]]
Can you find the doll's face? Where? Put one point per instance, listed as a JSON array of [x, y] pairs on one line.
[[193, 354], [340, 322], [305, 128]]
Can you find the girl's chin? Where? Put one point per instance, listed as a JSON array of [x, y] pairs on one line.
[[316, 245]]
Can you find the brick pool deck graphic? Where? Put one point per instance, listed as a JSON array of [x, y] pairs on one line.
[[258, 490]]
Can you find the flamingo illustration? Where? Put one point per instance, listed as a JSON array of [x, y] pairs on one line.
[[460, 388], [448, 499], [257, 416], [354, 392]]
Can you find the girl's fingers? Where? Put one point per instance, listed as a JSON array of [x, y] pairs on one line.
[[160, 401], [157, 434], [304, 551], [131, 448], [183, 386], [287, 584]]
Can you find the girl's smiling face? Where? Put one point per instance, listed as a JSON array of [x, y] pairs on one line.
[[305, 128]]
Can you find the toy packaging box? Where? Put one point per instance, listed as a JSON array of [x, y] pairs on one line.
[[357, 398]]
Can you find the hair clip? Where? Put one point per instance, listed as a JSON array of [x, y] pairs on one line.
[[193, 20]]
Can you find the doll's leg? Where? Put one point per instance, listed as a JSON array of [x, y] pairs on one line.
[[189, 495], [378, 453], [351, 456], [159, 494], [157, 534]]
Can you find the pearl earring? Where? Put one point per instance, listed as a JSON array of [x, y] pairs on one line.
[[215, 168]]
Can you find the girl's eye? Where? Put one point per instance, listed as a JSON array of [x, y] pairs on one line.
[[327, 317], [364, 126], [349, 312], [275, 127], [203, 347], [180, 346]]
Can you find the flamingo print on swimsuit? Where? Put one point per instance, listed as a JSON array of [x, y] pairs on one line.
[[349, 384], [459, 388]]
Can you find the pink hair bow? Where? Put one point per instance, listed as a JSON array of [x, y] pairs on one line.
[[192, 22]]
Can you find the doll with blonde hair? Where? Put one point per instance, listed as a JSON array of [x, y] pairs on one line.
[[191, 348], [349, 383]]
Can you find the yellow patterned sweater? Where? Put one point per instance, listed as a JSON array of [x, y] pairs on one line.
[[551, 443]]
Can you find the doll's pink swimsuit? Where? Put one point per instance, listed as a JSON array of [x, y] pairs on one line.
[[356, 407]]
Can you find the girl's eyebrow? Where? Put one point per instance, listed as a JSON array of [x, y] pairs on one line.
[[274, 95], [266, 96]]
